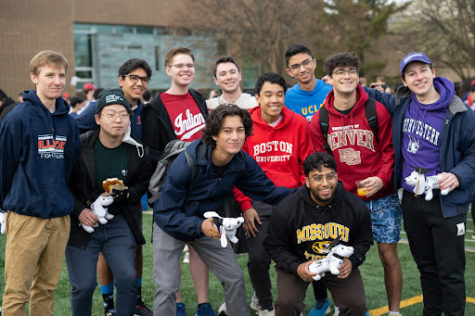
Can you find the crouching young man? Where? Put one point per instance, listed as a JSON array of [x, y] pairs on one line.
[[108, 152], [301, 230], [200, 183]]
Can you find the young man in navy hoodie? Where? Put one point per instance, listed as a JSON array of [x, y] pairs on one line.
[[39, 143], [434, 134]]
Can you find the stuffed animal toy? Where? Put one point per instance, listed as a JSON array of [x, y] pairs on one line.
[[331, 262], [227, 227], [3, 223], [114, 188], [423, 184]]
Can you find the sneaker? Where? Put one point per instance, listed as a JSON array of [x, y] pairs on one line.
[[255, 303], [204, 309], [142, 310], [221, 311], [321, 308], [266, 312], [109, 313], [337, 311], [180, 309]]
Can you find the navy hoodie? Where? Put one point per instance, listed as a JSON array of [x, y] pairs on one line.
[[37, 152]]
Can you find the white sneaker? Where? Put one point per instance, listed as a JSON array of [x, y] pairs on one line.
[[266, 312], [337, 311], [222, 310], [255, 303]]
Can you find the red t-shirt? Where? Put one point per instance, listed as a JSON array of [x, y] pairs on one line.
[[185, 116]]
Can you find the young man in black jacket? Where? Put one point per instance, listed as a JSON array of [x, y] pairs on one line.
[[301, 229], [109, 152]]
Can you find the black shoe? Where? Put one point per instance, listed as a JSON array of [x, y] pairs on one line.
[[142, 310]]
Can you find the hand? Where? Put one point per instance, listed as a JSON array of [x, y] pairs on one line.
[[250, 217], [209, 229], [376, 86], [345, 268], [304, 273], [372, 185], [87, 217], [448, 179], [327, 79]]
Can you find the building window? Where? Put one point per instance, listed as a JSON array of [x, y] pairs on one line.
[[157, 58]]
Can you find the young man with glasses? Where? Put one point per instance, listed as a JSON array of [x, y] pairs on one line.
[[133, 78], [306, 97], [179, 113], [301, 229], [364, 154], [227, 77], [434, 134], [107, 152]]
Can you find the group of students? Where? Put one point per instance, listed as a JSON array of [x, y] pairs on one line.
[[293, 160]]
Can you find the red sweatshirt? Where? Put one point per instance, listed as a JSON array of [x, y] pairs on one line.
[[279, 150], [358, 155]]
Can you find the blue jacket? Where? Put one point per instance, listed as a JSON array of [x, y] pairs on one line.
[[457, 146], [37, 152], [180, 208]]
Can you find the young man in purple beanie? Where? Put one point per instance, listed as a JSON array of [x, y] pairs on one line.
[[434, 134]]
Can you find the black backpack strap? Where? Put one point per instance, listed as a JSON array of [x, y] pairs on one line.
[[370, 109], [191, 163], [324, 124]]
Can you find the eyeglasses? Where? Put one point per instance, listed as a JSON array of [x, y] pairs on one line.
[[181, 66], [319, 177], [114, 116], [135, 78], [341, 72], [304, 63]]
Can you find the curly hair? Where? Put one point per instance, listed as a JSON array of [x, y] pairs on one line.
[[216, 118], [341, 60], [318, 160]]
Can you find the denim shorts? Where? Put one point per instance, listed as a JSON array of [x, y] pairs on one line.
[[386, 219]]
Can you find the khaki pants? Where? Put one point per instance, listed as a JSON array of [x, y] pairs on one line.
[[33, 257]]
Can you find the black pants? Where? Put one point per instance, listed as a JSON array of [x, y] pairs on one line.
[[437, 245]]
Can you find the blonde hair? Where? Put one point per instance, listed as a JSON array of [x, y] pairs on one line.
[[47, 57]]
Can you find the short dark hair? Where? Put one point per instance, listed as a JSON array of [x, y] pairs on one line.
[[132, 64], [318, 160], [147, 95], [3, 96], [75, 101], [222, 60], [271, 77], [341, 60], [296, 49], [216, 118], [97, 93]]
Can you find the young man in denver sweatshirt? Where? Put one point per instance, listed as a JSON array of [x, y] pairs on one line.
[[39, 143], [279, 143], [363, 155]]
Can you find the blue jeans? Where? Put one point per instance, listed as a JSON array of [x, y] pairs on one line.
[[117, 244]]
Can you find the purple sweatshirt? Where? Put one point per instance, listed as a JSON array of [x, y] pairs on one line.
[[422, 131]]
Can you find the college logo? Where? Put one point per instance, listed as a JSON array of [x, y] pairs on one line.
[[51, 147], [350, 156], [321, 247]]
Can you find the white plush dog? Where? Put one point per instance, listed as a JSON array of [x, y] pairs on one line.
[[331, 262], [99, 208], [423, 184], [227, 227]]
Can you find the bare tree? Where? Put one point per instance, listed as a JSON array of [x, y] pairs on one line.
[[444, 29]]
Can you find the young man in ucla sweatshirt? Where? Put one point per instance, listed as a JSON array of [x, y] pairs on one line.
[[39, 143], [279, 143]]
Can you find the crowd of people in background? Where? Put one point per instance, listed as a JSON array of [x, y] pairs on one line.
[[322, 163]]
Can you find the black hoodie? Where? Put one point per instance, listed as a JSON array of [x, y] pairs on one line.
[[301, 230]]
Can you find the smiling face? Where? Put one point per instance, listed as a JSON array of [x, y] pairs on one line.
[[419, 77], [322, 184], [271, 101], [227, 77], [302, 67], [230, 139], [181, 70], [133, 90], [345, 79], [49, 82]]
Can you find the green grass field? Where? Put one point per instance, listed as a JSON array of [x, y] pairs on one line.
[[371, 270]]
